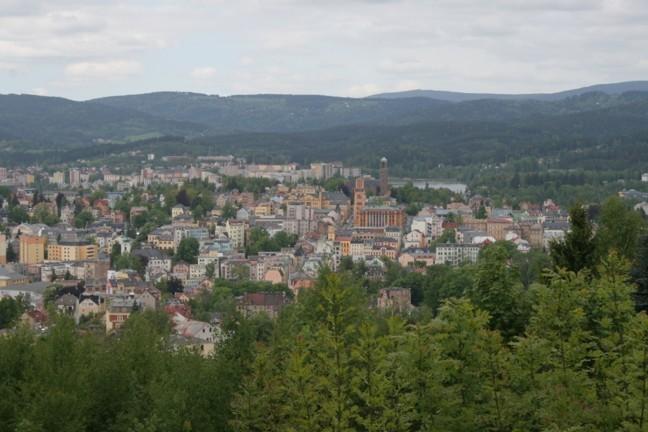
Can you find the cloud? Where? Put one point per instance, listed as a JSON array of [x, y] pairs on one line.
[[39, 91], [363, 90], [9, 67], [352, 47], [247, 61], [19, 7], [103, 70], [12, 49], [404, 66], [205, 72]]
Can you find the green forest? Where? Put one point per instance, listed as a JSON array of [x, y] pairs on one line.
[[512, 343]]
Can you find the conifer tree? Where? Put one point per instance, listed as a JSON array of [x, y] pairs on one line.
[[636, 419], [560, 340], [615, 313], [498, 291], [379, 384], [300, 388], [255, 406], [426, 373], [620, 228], [334, 359], [578, 250], [475, 397]]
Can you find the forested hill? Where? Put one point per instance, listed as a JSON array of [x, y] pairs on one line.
[[293, 113], [592, 131], [589, 131], [43, 121], [610, 89], [276, 113]]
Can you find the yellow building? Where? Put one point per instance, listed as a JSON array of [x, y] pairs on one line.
[[344, 242], [117, 312], [72, 251], [163, 241], [58, 178], [3, 249], [32, 249], [263, 209], [178, 210], [10, 278]]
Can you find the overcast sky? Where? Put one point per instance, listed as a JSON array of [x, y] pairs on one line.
[[89, 48]]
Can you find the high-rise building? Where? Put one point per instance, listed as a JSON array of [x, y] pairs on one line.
[[75, 177], [236, 231], [325, 170], [3, 249], [32, 249], [359, 201], [384, 177], [58, 178]]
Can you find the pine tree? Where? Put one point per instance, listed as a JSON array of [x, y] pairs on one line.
[[475, 397], [637, 416], [334, 359], [620, 228], [338, 313], [370, 384], [300, 389], [639, 273], [559, 338], [614, 313], [498, 291], [255, 407], [425, 373], [578, 250], [380, 384]]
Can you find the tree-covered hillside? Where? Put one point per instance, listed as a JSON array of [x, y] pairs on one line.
[[46, 122], [576, 135], [290, 113], [611, 89], [43, 122]]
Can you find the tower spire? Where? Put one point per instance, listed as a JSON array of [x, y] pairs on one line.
[[384, 178]]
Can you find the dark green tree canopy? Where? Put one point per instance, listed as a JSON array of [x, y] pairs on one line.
[[578, 250]]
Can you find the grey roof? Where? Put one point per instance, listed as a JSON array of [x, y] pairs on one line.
[[34, 287], [337, 197], [7, 273], [67, 300], [148, 253], [557, 225]]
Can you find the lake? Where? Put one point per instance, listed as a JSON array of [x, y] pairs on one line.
[[422, 183]]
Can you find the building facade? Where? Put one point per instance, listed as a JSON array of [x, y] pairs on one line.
[[456, 254], [32, 249], [72, 251], [3, 249]]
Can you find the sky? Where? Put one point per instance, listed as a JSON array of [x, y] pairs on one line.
[[82, 49]]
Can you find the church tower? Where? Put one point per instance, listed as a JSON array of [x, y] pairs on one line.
[[384, 178], [359, 201]]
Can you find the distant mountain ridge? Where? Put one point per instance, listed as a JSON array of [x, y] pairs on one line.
[[451, 96], [268, 123], [274, 112], [45, 121]]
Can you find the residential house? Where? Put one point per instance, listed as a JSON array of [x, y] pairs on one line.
[[270, 303], [395, 299]]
